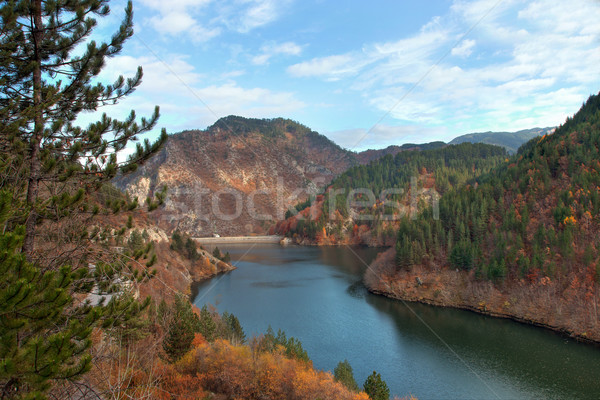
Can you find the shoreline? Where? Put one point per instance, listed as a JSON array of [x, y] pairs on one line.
[[490, 313], [485, 310], [540, 304]]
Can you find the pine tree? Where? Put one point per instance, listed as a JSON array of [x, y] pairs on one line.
[[191, 249], [217, 253], [53, 174], [178, 340], [42, 337], [207, 326], [376, 387], [343, 373], [46, 82], [184, 323], [237, 332]]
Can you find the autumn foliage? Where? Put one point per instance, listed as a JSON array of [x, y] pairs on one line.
[[244, 372], [271, 366], [222, 370]]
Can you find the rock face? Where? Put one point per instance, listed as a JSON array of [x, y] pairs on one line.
[[238, 176]]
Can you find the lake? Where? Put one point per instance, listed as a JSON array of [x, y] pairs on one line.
[[315, 294]]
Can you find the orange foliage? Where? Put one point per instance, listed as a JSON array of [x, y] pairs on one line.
[[179, 386], [240, 372], [198, 340]]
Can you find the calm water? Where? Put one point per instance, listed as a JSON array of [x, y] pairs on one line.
[[315, 294]]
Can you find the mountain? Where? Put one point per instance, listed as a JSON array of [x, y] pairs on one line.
[[519, 242], [511, 141], [238, 176]]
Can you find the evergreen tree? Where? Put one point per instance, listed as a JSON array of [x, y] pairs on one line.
[[178, 340], [237, 332], [207, 325], [376, 387], [343, 374], [41, 337], [56, 172], [44, 332], [217, 253], [293, 347], [184, 323], [191, 250], [176, 241], [45, 83]]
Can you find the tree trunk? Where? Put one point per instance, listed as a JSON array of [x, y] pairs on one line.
[[34, 145]]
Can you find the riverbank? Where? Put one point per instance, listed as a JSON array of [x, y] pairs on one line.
[[558, 306]]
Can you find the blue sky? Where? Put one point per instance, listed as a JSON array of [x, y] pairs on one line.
[[365, 74]]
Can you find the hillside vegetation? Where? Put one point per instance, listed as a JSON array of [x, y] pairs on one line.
[[366, 203], [521, 241], [240, 175]]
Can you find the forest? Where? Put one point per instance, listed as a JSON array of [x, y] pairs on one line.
[[532, 217], [378, 194]]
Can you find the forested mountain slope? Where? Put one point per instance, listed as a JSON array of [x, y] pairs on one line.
[[366, 203], [520, 242]]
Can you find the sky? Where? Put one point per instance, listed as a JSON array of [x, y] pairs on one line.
[[365, 74]]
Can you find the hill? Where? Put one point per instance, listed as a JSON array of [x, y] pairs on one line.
[[519, 242], [237, 176], [365, 204], [511, 141]]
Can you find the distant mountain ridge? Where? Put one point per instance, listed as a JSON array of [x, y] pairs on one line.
[[511, 141]]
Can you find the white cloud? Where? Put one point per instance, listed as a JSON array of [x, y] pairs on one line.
[[181, 16], [330, 68], [159, 77], [254, 102], [259, 13], [384, 60], [464, 49], [268, 51], [185, 99], [530, 64], [190, 17]]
